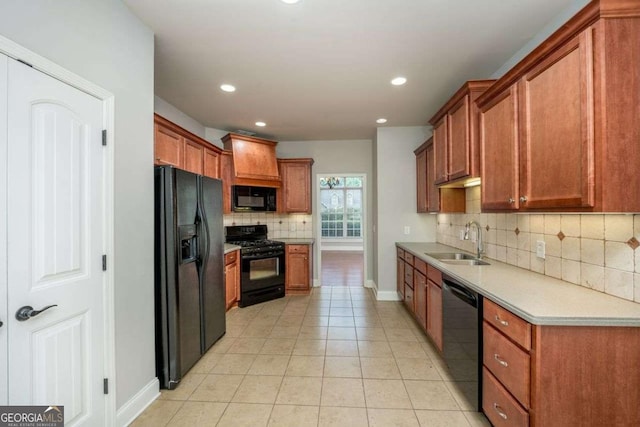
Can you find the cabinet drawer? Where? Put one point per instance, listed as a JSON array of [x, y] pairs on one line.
[[508, 363], [408, 275], [400, 253], [298, 249], [408, 297], [408, 258], [230, 258], [420, 265], [517, 329], [434, 275], [501, 409]]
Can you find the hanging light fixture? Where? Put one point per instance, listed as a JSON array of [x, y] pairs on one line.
[[330, 181]]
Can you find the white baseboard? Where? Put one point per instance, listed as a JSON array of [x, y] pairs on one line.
[[387, 296], [138, 403], [316, 283], [371, 284], [328, 247]]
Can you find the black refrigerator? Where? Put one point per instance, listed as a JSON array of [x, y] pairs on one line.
[[189, 270]]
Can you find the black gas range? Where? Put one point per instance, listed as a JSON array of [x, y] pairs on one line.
[[263, 263]]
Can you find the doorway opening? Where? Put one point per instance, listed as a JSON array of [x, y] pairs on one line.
[[341, 225]]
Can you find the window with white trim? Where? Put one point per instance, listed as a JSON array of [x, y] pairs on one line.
[[341, 207]]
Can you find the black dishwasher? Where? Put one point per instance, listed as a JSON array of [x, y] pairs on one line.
[[462, 338]]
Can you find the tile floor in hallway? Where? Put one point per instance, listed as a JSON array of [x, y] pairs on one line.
[[336, 357]]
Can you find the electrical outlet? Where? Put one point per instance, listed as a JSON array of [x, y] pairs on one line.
[[540, 249], [407, 230], [292, 226], [461, 235], [473, 236]]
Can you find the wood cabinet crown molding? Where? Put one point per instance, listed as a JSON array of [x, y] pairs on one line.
[[158, 119], [468, 87]]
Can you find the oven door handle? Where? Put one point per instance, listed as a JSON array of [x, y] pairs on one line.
[[263, 256]]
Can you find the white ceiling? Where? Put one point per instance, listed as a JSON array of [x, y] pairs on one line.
[[320, 69]]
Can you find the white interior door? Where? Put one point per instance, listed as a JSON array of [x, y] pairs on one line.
[[3, 231], [55, 234]]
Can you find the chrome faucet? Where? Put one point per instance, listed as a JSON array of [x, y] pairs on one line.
[[467, 228]]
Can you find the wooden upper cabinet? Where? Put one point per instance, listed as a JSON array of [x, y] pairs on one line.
[[556, 129], [193, 156], [433, 193], [429, 197], [455, 134], [211, 164], [169, 146], [180, 148], [578, 103], [440, 151], [254, 160], [422, 196], [226, 174], [295, 192], [459, 140], [499, 147]]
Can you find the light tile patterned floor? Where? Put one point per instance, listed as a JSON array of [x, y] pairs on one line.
[[335, 358]]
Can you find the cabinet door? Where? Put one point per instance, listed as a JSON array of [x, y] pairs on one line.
[[296, 186], [193, 156], [420, 294], [557, 129], [459, 140], [434, 313], [433, 192], [211, 164], [440, 151], [421, 182], [232, 278], [168, 147], [499, 152], [400, 277], [297, 267], [226, 173]]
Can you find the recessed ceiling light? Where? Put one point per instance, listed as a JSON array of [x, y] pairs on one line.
[[261, 124], [228, 88], [381, 121], [398, 81], [290, 1]]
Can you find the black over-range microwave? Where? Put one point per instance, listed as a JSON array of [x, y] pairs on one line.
[[248, 199]]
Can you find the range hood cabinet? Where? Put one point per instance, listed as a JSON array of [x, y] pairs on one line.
[[254, 160]]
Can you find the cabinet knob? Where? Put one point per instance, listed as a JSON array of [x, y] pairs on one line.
[[511, 200], [523, 199]]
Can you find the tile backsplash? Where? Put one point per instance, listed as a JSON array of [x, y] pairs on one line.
[[284, 226], [597, 251]]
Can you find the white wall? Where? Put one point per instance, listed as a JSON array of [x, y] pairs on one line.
[[334, 157], [545, 32], [171, 113], [396, 200], [106, 44]]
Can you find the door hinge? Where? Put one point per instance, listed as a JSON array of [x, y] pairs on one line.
[[104, 137], [104, 263], [105, 385]]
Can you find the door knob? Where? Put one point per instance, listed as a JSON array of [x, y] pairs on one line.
[[27, 312]]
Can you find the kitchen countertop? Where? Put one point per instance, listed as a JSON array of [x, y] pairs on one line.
[[230, 248], [300, 241], [539, 299]]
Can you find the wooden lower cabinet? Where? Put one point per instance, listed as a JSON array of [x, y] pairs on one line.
[[434, 313], [400, 274], [298, 269], [419, 287], [232, 278], [572, 375]]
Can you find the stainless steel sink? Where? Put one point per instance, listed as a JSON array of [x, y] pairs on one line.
[[473, 261], [457, 258]]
